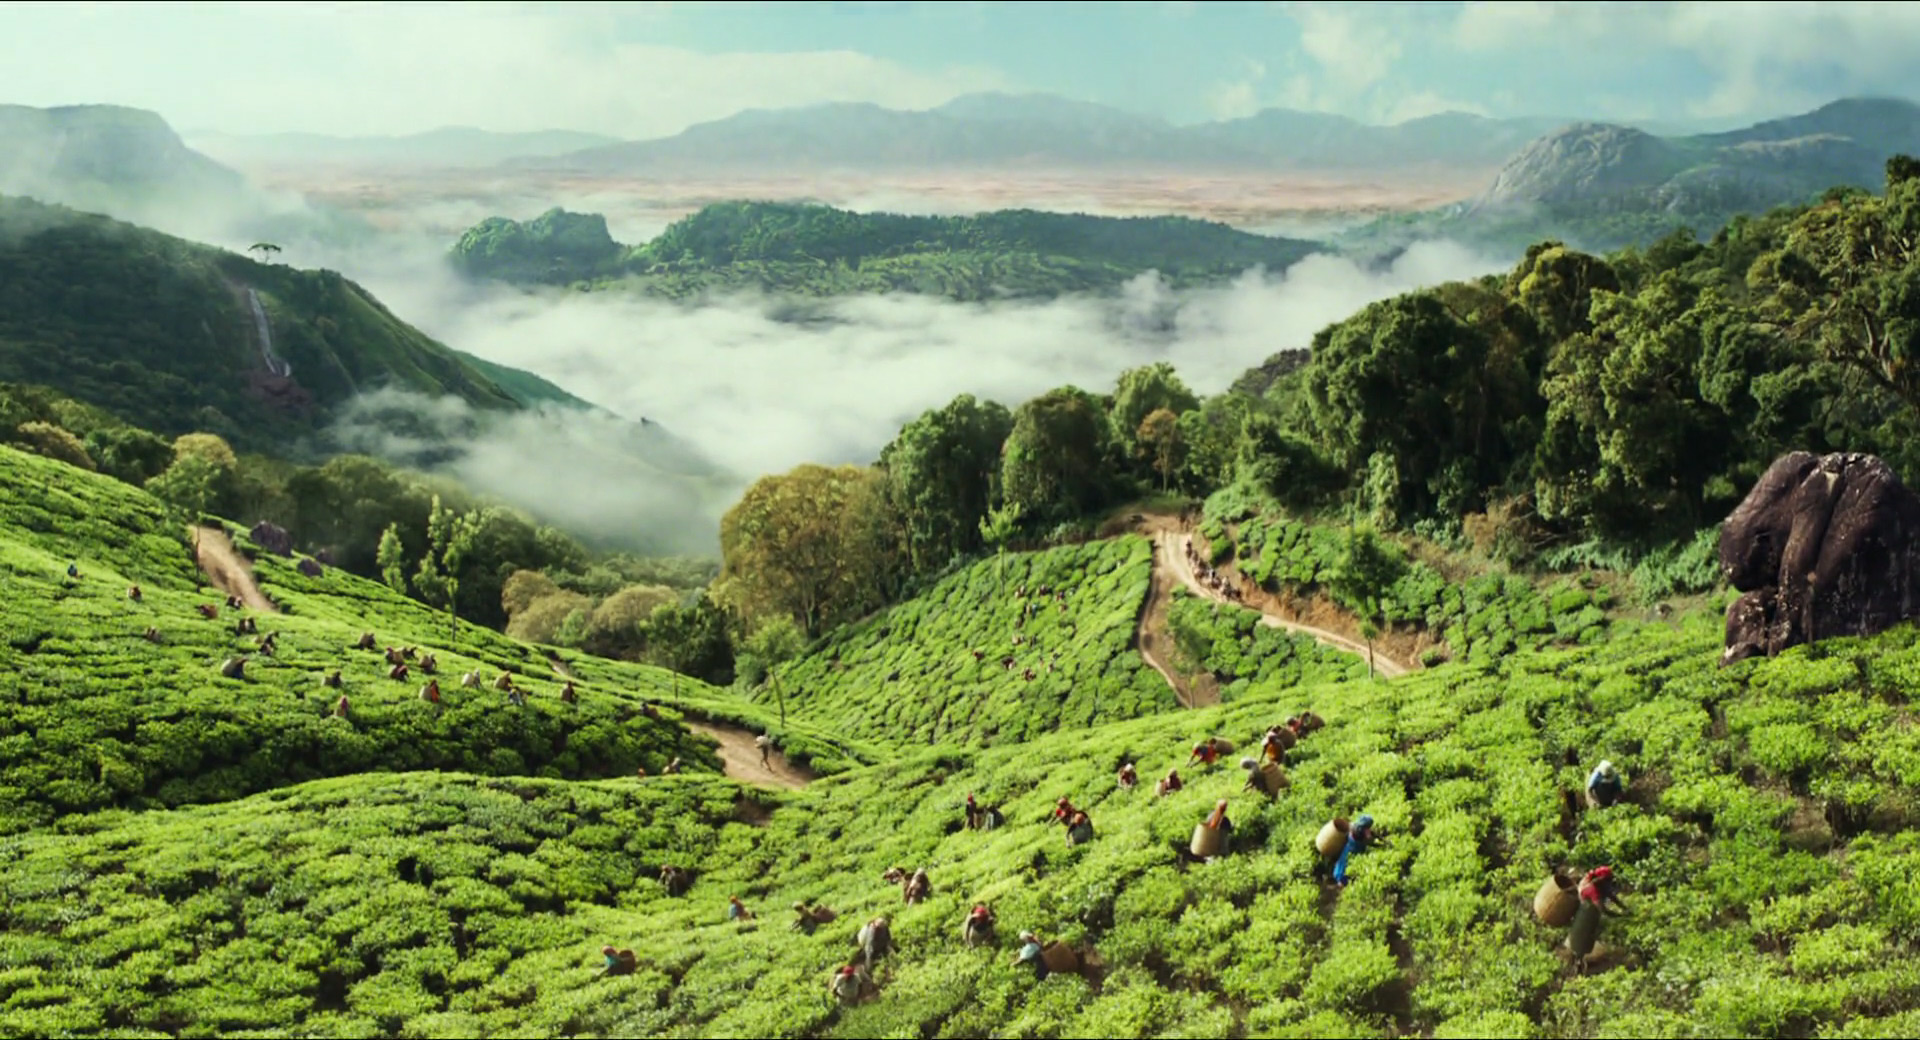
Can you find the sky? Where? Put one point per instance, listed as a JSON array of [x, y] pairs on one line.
[[638, 70]]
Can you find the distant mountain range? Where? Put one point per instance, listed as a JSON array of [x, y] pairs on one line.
[[1045, 131], [1602, 186], [129, 164], [449, 146]]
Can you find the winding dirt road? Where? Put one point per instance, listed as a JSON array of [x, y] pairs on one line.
[[224, 568], [1170, 551], [739, 756], [1151, 635]]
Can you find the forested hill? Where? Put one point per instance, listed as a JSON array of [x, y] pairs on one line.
[[162, 332], [820, 250]]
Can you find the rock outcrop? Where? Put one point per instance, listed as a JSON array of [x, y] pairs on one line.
[[273, 538], [1823, 546]]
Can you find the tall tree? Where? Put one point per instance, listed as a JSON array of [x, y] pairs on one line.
[[940, 475], [1139, 393], [1052, 465], [810, 544], [1159, 437]]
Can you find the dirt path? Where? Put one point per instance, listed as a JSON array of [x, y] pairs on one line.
[[1151, 635], [738, 754], [1171, 544], [742, 759], [224, 568]]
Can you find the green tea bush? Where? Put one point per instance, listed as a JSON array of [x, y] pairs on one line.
[[909, 675]]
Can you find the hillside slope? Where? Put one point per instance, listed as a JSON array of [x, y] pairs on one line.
[[1767, 839], [1603, 186], [94, 715], [818, 250], [165, 334]]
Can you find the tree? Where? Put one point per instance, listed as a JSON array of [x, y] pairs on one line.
[[996, 528], [1139, 393], [132, 455], [810, 544], [436, 575], [192, 484], [54, 442], [1411, 378], [544, 618], [1850, 277], [772, 644], [614, 626], [1159, 436], [691, 640], [1051, 467], [940, 474], [392, 560], [449, 539], [210, 446]]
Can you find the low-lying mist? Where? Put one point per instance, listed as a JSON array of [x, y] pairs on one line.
[[761, 384]]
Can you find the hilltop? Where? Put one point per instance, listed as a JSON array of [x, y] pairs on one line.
[[1047, 132], [108, 158], [423, 871], [1603, 186], [130, 164], [447, 146], [165, 334], [819, 250]]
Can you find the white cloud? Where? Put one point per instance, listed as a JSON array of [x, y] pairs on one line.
[[1237, 99], [760, 394], [1354, 47], [1764, 59], [378, 68]]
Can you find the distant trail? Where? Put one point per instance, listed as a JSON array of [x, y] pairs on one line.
[[738, 754], [213, 551], [1171, 543], [1150, 631], [742, 759]]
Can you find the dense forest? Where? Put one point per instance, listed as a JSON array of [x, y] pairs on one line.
[[816, 250], [160, 331], [1577, 410]]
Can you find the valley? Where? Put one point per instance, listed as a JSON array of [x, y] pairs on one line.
[[954, 521]]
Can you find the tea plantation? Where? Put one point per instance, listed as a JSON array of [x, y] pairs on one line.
[[194, 856], [1002, 651]]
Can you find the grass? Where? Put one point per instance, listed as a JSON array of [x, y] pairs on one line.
[[1769, 838]]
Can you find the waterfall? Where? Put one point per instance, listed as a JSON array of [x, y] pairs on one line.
[[274, 363]]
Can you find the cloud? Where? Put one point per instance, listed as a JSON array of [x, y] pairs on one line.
[[761, 385], [594, 475], [1760, 59], [1237, 99], [404, 68], [1355, 49]]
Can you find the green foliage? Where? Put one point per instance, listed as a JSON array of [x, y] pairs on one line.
[[1480, 619], [1246, 655], [383, 901], [1052, 465], [158, 331], [812, 250], [909, 675]]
